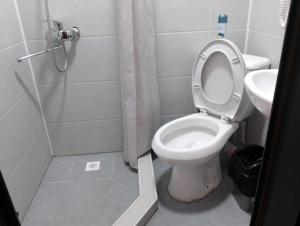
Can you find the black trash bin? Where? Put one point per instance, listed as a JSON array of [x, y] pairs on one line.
[[244, 170]]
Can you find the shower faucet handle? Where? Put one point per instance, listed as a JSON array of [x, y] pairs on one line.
[[71, 35], [60, 35]]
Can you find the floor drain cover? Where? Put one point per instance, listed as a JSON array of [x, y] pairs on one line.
[[92, 166]]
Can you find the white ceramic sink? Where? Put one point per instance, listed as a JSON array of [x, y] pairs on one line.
[[260, 86]]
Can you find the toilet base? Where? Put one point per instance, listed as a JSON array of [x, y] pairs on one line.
[[189, 183]]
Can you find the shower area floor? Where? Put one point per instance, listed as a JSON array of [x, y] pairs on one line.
[[71, 196]]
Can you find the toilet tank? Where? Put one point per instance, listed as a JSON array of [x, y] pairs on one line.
[[252, 63], [256, 62]]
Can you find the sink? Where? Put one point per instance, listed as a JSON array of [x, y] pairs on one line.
[[260, 86]]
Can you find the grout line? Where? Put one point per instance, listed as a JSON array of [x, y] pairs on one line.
[[232, 29], [83, 121], [78, 83], [2, 49], [76, 181], [10, 108], [99, 36], [33, 77], [210, 20], [113, 167], [24, 153], [248, 26], [59, 217], [268, 34], [164, 76], [196, 31], [183, 114], [181, 32], [36, 190], [82, 36]]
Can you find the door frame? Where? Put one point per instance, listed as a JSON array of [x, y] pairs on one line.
[[8, 214], [278, 193]]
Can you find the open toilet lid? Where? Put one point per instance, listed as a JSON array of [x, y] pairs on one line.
[[218, 78]]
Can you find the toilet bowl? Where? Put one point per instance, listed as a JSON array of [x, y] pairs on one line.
[[192, 143]]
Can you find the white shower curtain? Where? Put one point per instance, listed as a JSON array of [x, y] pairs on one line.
[[138, 71]]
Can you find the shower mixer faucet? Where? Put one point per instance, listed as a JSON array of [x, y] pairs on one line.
[[59, 35]]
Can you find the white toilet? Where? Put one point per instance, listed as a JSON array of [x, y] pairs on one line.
[[192, 143]]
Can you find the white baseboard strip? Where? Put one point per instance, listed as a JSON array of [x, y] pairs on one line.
[[142, 209]]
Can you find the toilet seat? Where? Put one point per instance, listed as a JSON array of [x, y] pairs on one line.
[[192, 138], [218, 79]]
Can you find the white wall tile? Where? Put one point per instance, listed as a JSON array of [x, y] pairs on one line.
[[27, 176], [18, 127], [86, 137], [33, 18], [236, 10], [265, 17], [81, 101], [91, 59], [10, 30], [168, 118], [181, 15], [259, 122], [255, 137], [15, 77], [265, 45], [94, 18], [237, 36], [176, 95], [177, 52]]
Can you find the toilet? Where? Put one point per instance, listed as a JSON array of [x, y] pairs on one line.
[[192, 144]]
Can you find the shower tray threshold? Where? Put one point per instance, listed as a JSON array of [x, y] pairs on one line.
[[145, 205]]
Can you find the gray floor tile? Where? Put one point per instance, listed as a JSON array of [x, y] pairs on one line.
[[82, 220], [165, 216], [70, 198], [120, 168], [124, 191], [217, 209], [72, 168], [227, 213]]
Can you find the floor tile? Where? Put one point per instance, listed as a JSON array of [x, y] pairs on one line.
[[120, 168], [124, 191], [228, 213], [70, 198], [72, 168], [217, 209], [82, 220]]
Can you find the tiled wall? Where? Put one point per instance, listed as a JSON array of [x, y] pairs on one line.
[[24, 149], [265, 39], [183, 28], [83, 106]]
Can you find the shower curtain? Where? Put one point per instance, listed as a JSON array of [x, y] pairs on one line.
[[138, 71]]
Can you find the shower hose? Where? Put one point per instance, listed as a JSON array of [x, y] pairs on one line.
[[51, 42]]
